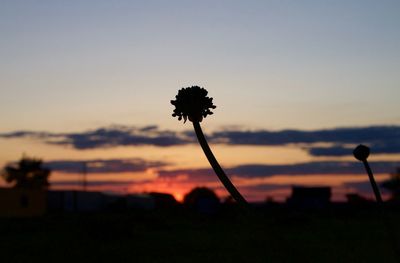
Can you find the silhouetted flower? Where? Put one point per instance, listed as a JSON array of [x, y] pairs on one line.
[[361, 152], [193, 103]]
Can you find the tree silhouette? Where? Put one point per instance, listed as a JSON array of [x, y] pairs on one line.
[[192, 103], [199, 193], [27, 173], [393, 184], [202, 199]]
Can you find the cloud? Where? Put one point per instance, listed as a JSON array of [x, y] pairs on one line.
[[377, 147], [103, 166], [122, 136], [107, 137], [365, 188], [91, 183], [265, 170], [26, 134], [381, 139], [336, 135], [340, 141], [336, 150], [201, 175]]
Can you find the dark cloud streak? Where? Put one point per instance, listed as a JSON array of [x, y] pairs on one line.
[[381, 139], [265, 170], [377, 147], [107, 137], [336, 135], [92, 183], [103, 166], [340, 141]]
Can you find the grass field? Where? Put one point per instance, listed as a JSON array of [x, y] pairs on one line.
[[269, 236]]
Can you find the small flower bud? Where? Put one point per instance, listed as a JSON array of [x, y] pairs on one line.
[[361, 152]]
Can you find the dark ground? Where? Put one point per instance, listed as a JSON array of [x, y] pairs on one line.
[[269, 236]]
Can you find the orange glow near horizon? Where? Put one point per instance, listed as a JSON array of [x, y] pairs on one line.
[[188, 157], [180, 187]]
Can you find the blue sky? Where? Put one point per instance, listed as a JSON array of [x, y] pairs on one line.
[[268, 64]]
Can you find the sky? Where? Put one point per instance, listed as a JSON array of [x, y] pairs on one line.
[[91, 81]]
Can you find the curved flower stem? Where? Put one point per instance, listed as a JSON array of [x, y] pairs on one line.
[[373, 182], [383, 214], [217, 168]]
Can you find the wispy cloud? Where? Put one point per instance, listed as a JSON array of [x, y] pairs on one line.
[[340, 141], [335, 135], [207, 175], [106, 137], [92, 183], [265, 170], [382, 139], [383, 146], [103, 166]]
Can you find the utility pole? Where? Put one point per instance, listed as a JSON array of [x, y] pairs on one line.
[[84, 174]]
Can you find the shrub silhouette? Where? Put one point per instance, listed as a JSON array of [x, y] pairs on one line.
[[199, 193], [27, 173], [202, 199]]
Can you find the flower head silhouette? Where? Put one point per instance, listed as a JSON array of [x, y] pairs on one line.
[[193, 103]]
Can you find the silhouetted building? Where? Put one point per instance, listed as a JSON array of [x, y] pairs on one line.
[[75, 201], [310, 197], [141, 201], [21, 202], [162, 200], [356, 199]]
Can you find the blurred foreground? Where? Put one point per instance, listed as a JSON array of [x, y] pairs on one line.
[[275, 234]]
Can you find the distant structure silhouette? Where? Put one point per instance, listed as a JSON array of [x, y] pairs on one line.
[[192, 103], [164, 200], [357, 199], [393, 185], [310, 197], [361, 153], [27, 173]]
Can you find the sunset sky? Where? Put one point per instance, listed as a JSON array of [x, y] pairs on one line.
[[297, 84]]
